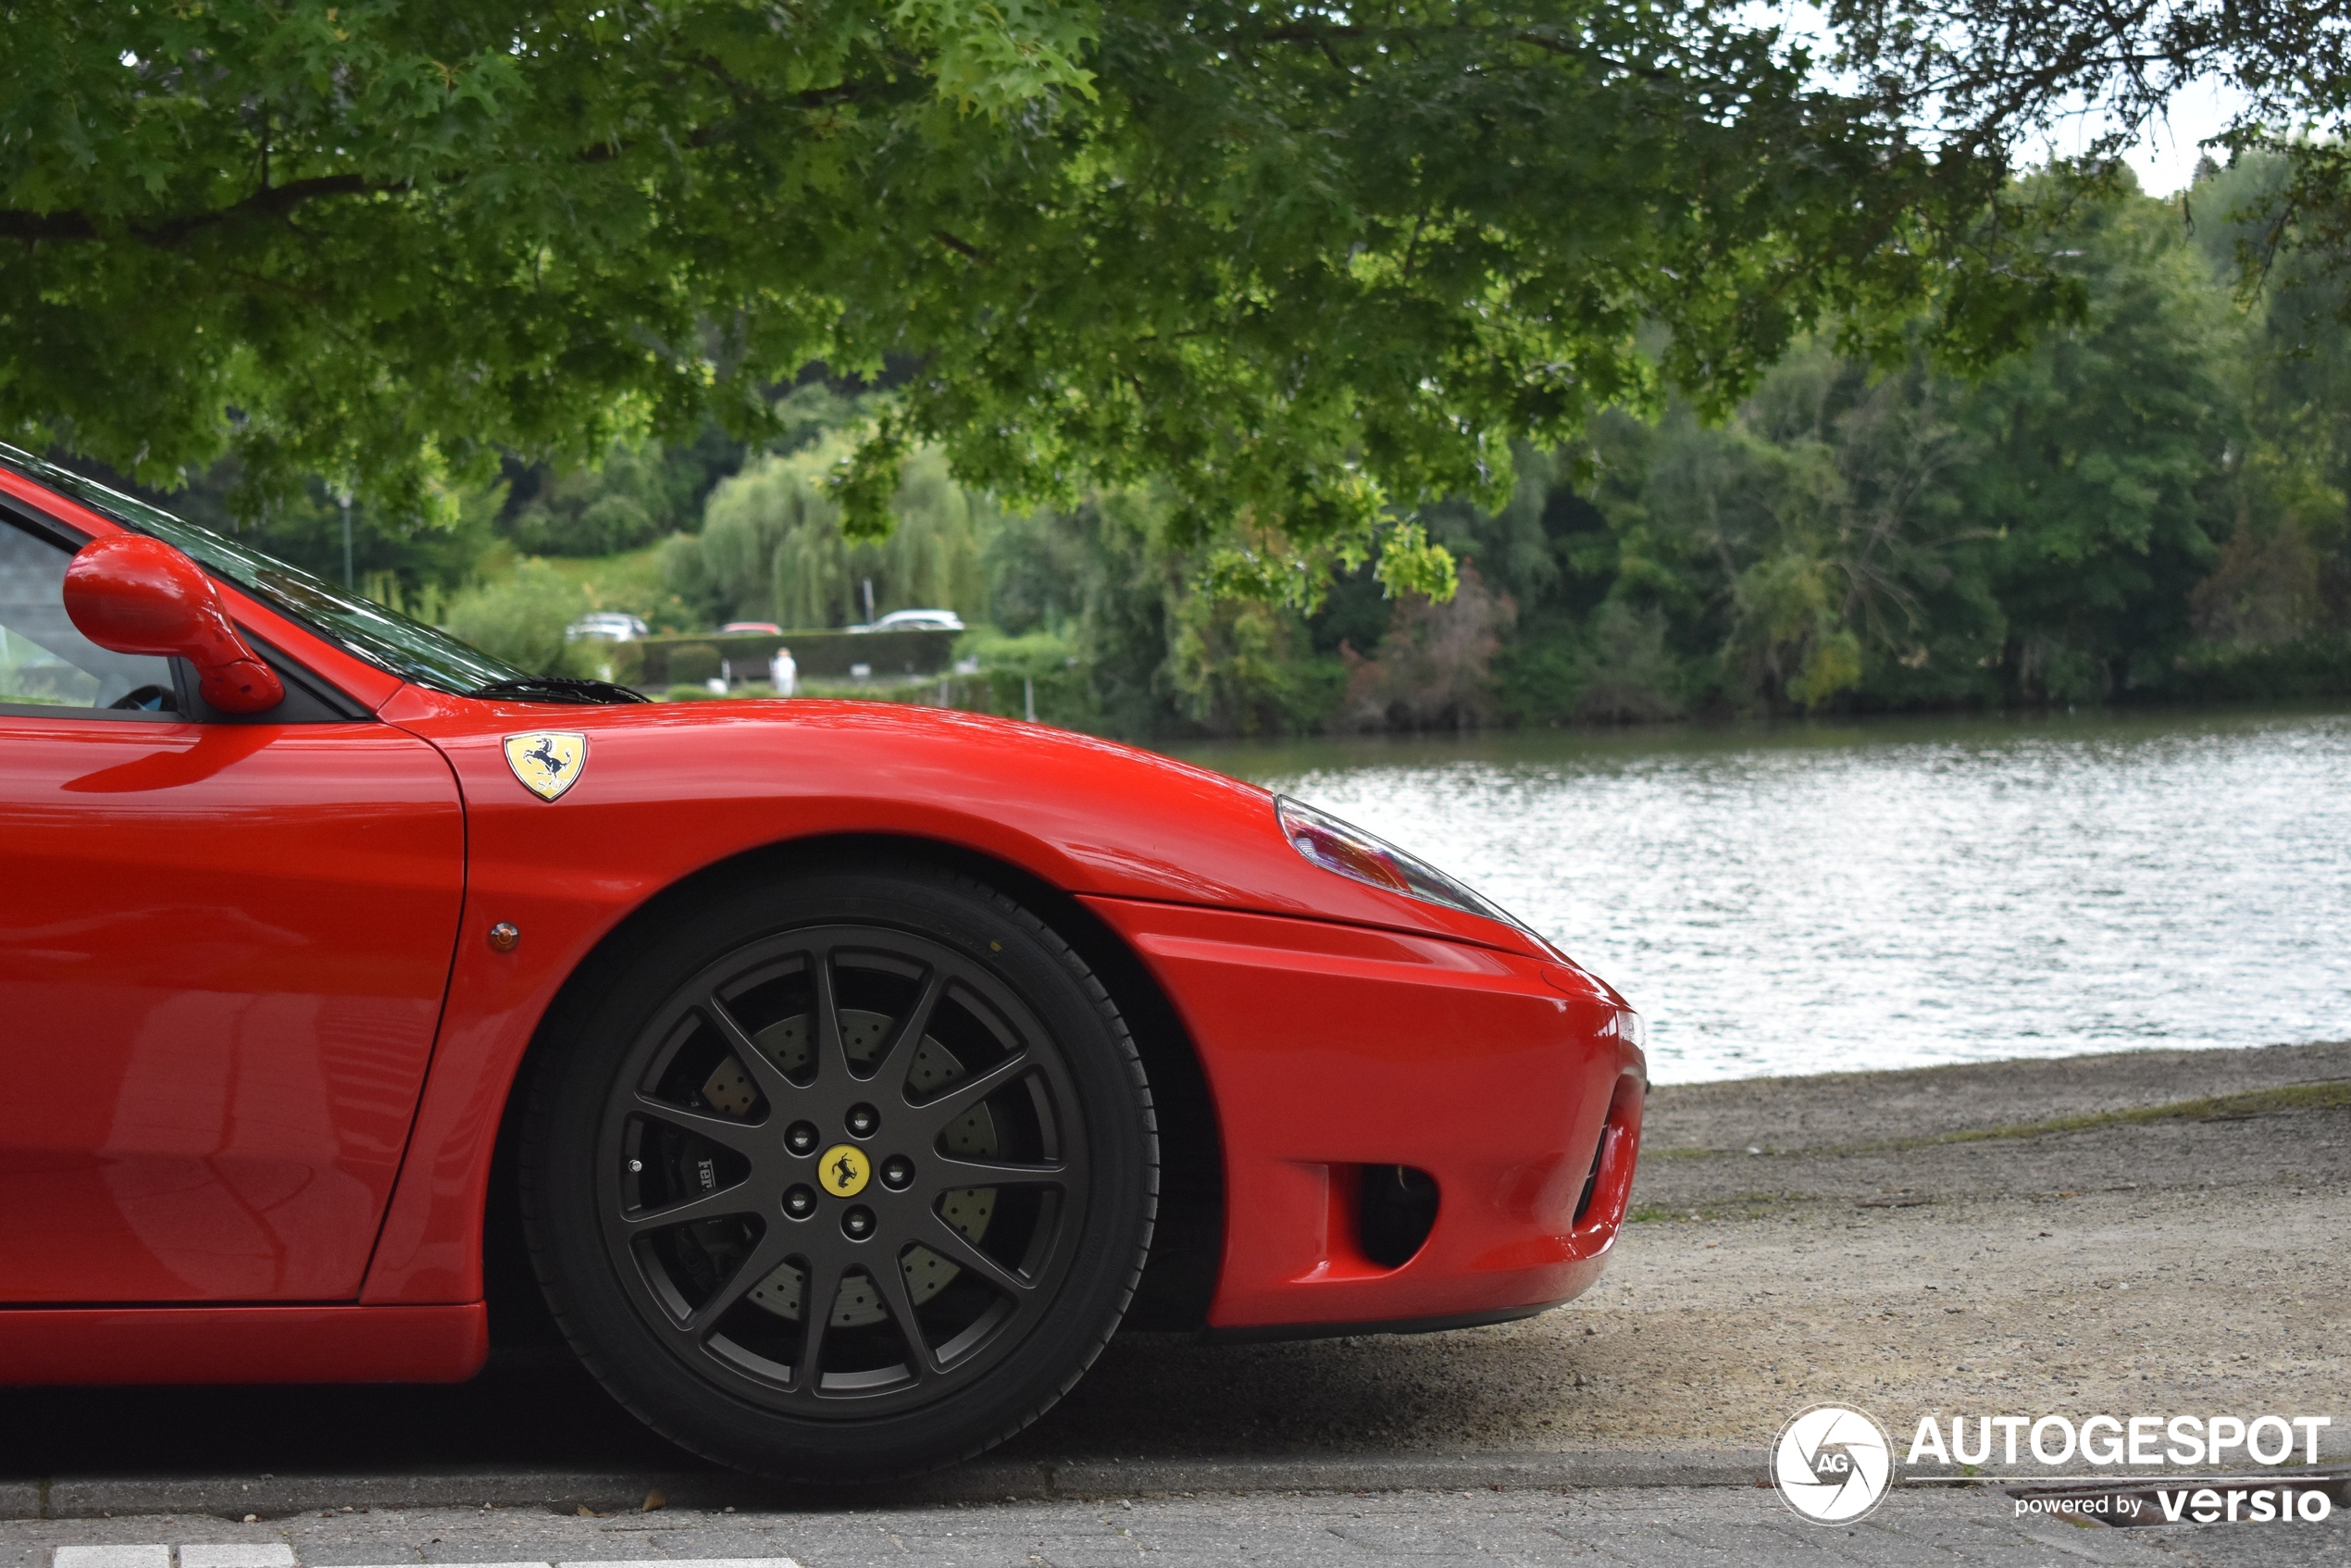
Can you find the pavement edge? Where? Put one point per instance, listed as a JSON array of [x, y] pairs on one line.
[[270, 1496]]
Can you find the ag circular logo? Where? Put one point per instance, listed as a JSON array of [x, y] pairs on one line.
[[1832, 1464]]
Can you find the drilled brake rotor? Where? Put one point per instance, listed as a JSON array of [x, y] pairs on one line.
[[728, 1090]]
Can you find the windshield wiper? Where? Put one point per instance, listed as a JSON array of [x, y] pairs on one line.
[[560, 689]]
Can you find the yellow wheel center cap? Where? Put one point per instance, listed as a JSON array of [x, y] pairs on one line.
[[844, 1170]]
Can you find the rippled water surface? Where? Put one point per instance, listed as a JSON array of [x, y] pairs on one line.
[[1812, 898]]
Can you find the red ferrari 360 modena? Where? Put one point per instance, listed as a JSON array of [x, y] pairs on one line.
[[835, 1077]]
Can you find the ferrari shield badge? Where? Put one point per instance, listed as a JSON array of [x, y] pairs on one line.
[[546, 761]]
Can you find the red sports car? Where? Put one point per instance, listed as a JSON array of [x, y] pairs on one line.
[[835, 1077]]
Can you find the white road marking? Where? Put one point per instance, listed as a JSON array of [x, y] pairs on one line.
[[279, 1555], [237, 1554], [113, 1556]]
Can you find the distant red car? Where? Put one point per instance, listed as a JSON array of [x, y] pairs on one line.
[[834, 1077], [762, 628]]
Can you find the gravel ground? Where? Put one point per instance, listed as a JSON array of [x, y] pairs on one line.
[[2122, 1260], [2135, 1234]]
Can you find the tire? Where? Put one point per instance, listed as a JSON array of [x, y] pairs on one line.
[[792, 1089]]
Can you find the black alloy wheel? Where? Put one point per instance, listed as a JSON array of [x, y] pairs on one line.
[[847, 1177]]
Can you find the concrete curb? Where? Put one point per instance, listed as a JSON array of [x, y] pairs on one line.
[[270, 1497], [1355, 1473]]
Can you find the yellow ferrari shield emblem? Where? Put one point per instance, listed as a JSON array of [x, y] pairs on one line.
[[844, 1170], [547, 763]]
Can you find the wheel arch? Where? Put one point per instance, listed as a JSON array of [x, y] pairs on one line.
[[1188, 1242]]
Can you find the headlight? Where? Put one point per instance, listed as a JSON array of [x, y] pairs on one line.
[[1347, 849]]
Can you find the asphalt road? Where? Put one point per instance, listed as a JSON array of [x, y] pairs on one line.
[[1654, 1528]]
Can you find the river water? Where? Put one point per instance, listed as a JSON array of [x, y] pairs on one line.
[[1820, 897]]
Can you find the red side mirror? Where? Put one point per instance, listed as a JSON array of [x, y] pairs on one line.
[[133, 594]]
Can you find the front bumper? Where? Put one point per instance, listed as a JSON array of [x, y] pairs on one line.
[[1331, 1047]]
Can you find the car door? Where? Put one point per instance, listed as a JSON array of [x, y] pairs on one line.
[[223, 950]]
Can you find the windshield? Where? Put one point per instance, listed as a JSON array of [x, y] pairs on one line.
[[409, 649]]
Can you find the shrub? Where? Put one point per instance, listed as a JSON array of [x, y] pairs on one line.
[[521, 617], [1614, 668], [690, 664], [600, 660], [1038, 653], [1434, 668], [1237, 667]]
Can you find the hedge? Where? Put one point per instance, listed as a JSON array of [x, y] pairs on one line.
[[669, 661]]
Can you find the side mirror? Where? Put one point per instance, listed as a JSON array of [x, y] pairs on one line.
[[133, 594]]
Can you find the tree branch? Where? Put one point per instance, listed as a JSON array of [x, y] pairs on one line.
[[270, 202], [46, 226], [963, 247]]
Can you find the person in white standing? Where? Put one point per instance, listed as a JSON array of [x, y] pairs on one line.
[[784, 673]]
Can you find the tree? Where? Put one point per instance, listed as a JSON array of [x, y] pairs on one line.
[[771, 544], [641, 491], [2286, 567], [2103, 462], [1990, 77], [1308, 266], [1904, 536]]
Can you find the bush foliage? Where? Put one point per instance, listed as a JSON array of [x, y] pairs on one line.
[[521, 617]]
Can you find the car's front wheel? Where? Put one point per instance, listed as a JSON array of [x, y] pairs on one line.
[[845, 1177]]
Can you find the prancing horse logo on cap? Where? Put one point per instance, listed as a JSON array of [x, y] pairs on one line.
[[547, 762], [843, 1169]]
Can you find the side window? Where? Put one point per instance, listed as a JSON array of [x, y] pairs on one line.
[[46, 662]]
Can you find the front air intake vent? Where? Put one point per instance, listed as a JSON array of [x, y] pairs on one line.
[[1398, 1211], [1592, 1182]]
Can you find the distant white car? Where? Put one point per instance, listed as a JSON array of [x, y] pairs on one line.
[[605, 626], [915, 620]]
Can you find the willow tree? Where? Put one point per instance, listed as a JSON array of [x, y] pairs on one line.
[[772, 544], [1303, 264]]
